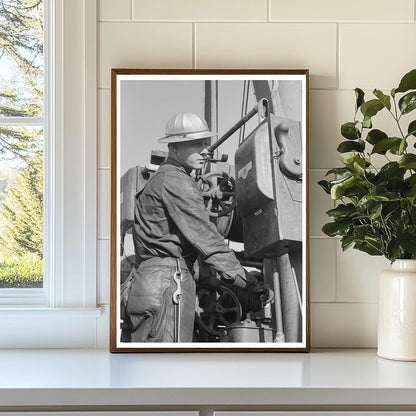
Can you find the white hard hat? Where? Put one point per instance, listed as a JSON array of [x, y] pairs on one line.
[[184, 127]]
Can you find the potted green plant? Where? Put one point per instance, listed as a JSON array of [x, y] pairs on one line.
[[376, 206]]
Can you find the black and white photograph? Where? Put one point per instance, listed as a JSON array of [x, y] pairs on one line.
[[209, 214]]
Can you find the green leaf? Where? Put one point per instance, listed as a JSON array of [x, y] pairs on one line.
[[359, 165], [367, 122], [385, 144], [411, 130], [350, 187], [408, 102], [369, 201], [407, 240], [361, 231], [349, 131], [342, 211], [359, 95], [399, 148], [375, 136], [336, 228], [375, 211], [393, 250], [408, 161], [393, 92], [385, 99], [348, 158], [408, 82], [369, 248], [371, 108], [349, 146], [337, 171], [346, 242], [325, 186], [391, 170]]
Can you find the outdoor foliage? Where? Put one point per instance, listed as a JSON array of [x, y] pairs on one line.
[[21, 147], [376, 212], [21, 212], [21, 271], [21, 86]]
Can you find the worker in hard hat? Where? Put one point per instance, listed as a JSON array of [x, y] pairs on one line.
[[171, 229]]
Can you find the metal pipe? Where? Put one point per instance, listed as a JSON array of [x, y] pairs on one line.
[[280, 335], [237, 125], [252, 263]]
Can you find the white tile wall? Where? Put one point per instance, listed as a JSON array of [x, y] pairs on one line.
[[387, 52], [345, 44], [104, 202], [323, 269], [341, 10], [200, 10], [357, 275], [142, 45], [343, 325], [114, 10], [319, 201], [103, 270], [104, 128], [271, 45]]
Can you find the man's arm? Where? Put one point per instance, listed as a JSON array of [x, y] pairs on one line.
[[186, 207]]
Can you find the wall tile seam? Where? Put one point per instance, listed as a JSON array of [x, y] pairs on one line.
[[342, 303], [127, 21], [346, 22], [194, 43], [214, 21], [338, 55], [323, 236], [103, 238]]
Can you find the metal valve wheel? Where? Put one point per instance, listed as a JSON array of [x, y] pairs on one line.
[[219, 309], [218, 190]]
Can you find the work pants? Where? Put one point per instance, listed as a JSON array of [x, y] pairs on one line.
[[150, 306]]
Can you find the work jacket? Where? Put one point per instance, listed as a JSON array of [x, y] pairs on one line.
[[171, 221]]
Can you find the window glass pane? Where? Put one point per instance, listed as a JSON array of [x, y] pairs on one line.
[[21, 208], [21, 58]]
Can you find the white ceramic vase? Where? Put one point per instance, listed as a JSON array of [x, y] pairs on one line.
[[397, 312]]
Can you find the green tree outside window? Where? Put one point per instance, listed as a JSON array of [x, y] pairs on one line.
[[21, 143]]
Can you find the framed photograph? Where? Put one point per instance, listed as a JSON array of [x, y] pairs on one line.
[[209, 211]]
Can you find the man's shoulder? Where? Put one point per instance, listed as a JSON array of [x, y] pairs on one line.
[[177, 181], [171, 173]]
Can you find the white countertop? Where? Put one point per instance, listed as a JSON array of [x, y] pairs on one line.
[[96, 377]]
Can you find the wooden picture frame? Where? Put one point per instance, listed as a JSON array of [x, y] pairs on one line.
[[257, 200]]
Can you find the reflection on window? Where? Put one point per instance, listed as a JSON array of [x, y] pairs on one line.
[[21, 143]]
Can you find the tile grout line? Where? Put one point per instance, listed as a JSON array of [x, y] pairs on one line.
[[131, 9], [345, 302], [336, 271], [269, 11], [194, 62], [338, 64], [254, 21]]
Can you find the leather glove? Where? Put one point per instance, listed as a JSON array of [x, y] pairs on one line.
[[257, 286]]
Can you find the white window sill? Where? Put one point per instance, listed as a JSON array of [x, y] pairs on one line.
[[40, 327], [331, 379], [35, 311]]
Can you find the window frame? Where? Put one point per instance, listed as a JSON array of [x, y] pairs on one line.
[[70, 207]]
